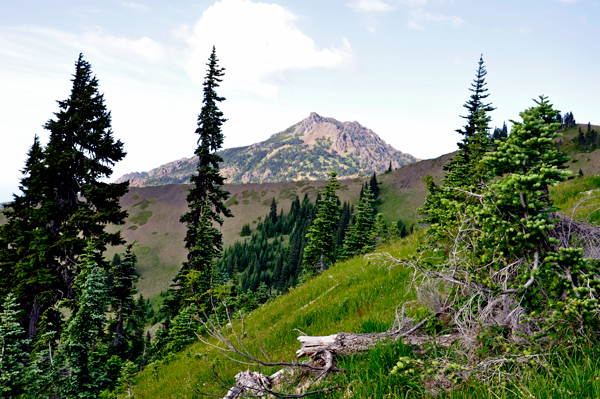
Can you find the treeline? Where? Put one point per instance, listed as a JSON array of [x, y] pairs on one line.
[[273, 258], [587, 140], [566, 122]]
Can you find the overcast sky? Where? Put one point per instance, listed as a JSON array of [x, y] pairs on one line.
[[399, 67]]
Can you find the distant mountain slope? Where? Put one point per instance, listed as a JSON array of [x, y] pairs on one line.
[[307, 150], [154, 213]]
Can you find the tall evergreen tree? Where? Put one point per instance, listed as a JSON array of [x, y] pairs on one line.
[[83, 358], [13, 353], [206, 197], [359, 238], [465, 170], [475, 142], [66, 201], [24, 243], [273, 212], [320, 250], [374, 186], [122, 301]]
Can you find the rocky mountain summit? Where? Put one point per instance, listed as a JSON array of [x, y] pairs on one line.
[[308, 150]]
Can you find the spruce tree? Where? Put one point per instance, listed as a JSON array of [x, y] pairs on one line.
[[273, 212], [374, 186], [465, 171], [82, 355], [13, 355], [24, 242], [65, 201], [359, 238], [476, 140], [206, 196], [320, 250], [122, 301]]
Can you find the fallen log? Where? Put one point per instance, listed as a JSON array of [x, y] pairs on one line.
[[322, 352]]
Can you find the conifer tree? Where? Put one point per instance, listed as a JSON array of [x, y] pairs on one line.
[[273, 212], [373, 185], [246, 232], [320, 250], [122, 301], [402, 228], [206, 197], [81, 352], [24, 243], [475, 141], [465, 171], [359, 238], [66, 201], [13, 353]]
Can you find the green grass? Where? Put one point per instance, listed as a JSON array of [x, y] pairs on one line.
[[574, 374], [357, 296], [399, 206], [579, 197], [141, 218], [351, 296]]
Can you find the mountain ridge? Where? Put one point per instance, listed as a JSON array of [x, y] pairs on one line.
[[307, 150]]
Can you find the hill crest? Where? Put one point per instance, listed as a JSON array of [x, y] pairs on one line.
[[307, 150]]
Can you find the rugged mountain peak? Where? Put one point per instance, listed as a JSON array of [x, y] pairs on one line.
[[308, 150]]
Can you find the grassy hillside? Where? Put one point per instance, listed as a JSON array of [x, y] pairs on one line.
[[587, 161], [353, 296], [154, 213]]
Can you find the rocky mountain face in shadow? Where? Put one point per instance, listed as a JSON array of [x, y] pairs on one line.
[[308, 150]]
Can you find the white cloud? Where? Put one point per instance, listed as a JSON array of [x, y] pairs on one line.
[[418, 15], [415, 25], [144, 48], [370, 6], [257, 43], [414, 3], [135, 6]]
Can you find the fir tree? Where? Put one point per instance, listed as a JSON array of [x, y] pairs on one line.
[[402, 228], [24, 243], [320, 250], [359, 238], [380, 230], [246, 232], [475, 141], [273, 212], [465, 171], [182, 330], [66, 200], [83, 357], [373, 185], [206, 197], [122, 301], [13, 355]]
